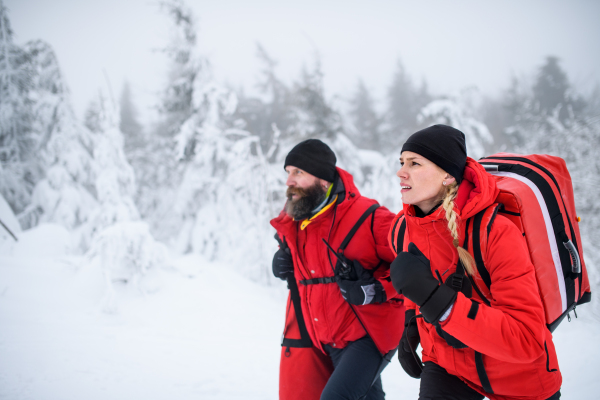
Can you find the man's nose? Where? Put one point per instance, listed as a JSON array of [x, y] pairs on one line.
[[290, 181]]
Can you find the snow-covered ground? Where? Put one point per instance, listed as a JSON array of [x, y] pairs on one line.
[[197, 330]]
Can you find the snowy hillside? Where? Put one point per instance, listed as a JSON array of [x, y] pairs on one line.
[[198, 330]]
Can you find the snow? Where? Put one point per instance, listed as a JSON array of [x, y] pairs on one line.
[[197, 330], [193, 330]]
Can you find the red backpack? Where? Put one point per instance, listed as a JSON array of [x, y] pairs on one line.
[[536, 194]]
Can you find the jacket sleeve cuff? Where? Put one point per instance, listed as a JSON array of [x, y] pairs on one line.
[[389, 290], [461, 306], [446, 314]]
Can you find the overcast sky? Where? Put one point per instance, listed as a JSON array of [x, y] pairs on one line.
[[452, 44]]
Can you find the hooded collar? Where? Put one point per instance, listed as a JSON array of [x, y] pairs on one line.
[[479, 192]]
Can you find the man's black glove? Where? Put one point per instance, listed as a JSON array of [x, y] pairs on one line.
[[407, 351], [283, 266], [411, 276], [365, 289]]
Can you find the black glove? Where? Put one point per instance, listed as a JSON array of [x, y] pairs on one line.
[[407, 351], [365, 289], [283, 266], [411, 276]]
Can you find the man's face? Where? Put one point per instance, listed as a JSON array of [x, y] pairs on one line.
[[304, 193]]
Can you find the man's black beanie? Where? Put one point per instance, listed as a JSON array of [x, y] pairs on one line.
[[314, 157], [443, 145]]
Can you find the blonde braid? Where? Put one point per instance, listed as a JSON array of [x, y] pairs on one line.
[[451, 216]]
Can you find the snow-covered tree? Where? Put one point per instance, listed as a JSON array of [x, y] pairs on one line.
[[222, 200], [83, 181], [552, 89], [313, 115], [114, 183], [65, 194], [119, 243], [404, 101], [133, 134], [270, 113], [18, 141], [458, 112], [212, 197], [176, 100], [155, 160]]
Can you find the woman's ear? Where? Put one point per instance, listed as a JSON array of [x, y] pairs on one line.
[[448, 180]]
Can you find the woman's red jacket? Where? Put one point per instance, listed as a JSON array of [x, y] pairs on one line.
[[511, 334]]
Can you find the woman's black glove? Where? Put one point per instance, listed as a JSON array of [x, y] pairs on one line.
[[365, 289], [283, 265], [411, 276], [407, 351]]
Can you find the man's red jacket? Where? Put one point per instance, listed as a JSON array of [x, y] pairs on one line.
[[329, 318]]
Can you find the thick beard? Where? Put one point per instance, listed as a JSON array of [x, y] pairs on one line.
[[309, 199]]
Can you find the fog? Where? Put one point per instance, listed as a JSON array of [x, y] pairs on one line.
[[451, 45]]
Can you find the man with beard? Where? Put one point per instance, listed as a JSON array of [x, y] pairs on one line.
[[344, 319]]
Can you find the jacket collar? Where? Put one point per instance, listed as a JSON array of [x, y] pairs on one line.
[[479, 192]]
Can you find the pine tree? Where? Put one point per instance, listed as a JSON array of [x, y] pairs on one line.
[[313, 116], [551, 86], [114, 183], [17, 139], [365, 119], [132, 130], [271, 113], [404, 104], [551, 91], [176, 105], [156, 163], [65, 193]]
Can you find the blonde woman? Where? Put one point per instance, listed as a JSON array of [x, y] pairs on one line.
[[474, 343]]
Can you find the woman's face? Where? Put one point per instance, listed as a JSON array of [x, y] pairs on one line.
[[421, 181]]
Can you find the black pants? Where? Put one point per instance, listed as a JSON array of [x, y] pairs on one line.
[[356, 373], [438, 384]]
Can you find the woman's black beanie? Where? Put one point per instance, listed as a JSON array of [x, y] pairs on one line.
[[314, 157], [443, 145]]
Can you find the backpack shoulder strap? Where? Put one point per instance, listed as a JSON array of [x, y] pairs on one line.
[[460, 268], [397, 234], [477, 231], [357, 225]]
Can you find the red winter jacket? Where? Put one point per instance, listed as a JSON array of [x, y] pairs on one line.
[[511, 334], [329, 318]]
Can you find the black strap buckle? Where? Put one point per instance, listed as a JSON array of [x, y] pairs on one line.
[[457, 282]]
